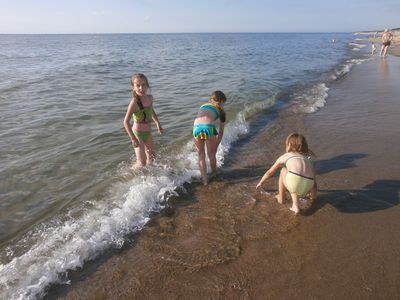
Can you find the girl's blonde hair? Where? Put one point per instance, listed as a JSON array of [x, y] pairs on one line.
[[296, 142]]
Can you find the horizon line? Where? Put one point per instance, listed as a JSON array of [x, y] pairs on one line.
[[191, 32]]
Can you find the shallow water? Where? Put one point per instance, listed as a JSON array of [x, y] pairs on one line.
[[67, 193]]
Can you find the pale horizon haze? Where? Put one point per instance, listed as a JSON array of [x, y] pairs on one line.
[[178, 16]]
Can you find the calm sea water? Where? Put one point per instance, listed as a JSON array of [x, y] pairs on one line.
[[67, 191]]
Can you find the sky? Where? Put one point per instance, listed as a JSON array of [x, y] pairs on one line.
[[162, 16]]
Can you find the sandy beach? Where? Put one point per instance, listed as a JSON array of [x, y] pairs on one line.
[[213, 244]]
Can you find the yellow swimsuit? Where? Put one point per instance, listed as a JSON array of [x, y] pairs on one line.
[[297, 183]]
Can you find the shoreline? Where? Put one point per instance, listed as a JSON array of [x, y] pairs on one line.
[[394, 49], [228, 241]]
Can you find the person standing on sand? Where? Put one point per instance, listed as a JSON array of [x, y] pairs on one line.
[[297, 173], [141, 111], [387, 38], [205, 133]]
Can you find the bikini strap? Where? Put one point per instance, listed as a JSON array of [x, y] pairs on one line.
[[296, 156]]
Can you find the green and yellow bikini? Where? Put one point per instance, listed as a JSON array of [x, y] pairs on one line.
[[141, 116]]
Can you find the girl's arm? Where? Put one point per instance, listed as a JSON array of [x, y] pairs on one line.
[[275, 167], [220, 132], [127, 124], [155, 119]]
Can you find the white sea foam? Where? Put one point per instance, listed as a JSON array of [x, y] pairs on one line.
[[66, 245], [67, 241], [345, 68], [311, 99], [356, 47]]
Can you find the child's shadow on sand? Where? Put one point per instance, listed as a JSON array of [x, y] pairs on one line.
[[378, 195], [343, 161]]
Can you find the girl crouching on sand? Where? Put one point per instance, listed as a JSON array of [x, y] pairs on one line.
[[141, 111], [297, 173], [205, 133]]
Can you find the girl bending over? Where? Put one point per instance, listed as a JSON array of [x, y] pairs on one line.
[[297, 173], [205, 132]]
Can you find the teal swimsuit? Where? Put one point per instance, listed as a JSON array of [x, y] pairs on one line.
[[215, 109], [206, 131]]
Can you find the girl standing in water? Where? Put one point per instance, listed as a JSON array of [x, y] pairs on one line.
[[141, 111], [297, 172], [205, 132]]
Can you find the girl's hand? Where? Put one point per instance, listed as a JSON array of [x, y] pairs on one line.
[[135, 143], [160, 130], [258, 186]]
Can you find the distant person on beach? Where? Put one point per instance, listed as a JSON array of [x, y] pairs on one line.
[[387, 38], [373, 48], [141, 112], [205, 133], [297, 173]]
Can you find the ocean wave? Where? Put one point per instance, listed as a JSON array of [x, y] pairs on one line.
[[90, 222], [67, 242], [345, 68], [356, 47], [311, 99]]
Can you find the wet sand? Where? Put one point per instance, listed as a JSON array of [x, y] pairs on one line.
[[227, 241]]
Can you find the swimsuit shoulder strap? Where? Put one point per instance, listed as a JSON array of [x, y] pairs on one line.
[[296, 156]]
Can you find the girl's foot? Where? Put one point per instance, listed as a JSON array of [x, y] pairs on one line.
[[136, 166], [279, 199], [295, 210], [205, 182]]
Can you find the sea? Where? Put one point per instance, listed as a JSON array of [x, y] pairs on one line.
[[68, 193]]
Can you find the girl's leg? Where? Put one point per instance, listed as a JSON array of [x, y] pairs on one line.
[[313, 193], [211, 144], [295, 203], [140, 155], [282, 189], [200, 144], [149, 147]]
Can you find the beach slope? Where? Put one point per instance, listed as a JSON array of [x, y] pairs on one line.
[[230, 242]]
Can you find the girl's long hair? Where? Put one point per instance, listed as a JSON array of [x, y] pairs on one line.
[[136, 96], [296, 142]]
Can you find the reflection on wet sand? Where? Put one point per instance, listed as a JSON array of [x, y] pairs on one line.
[[383, 68]]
